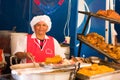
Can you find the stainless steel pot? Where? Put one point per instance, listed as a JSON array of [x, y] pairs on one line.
[[39, 74], [27, 71]]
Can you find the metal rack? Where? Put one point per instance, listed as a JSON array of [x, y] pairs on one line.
[[90, 14]]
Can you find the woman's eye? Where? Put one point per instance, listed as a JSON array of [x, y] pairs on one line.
[[44, 25]]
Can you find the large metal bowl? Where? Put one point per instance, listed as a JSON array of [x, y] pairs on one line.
[[39, 73]]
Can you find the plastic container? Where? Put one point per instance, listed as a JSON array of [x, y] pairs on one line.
[[14, 38]]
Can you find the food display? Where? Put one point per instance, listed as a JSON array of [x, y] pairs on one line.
[[94, 39], [54, 68], [109, 13], [57, 62], [94, 70], [101, 69], [54, 60], [99, 42], [98, 72]]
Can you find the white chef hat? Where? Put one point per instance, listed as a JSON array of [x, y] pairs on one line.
[[39, 18]]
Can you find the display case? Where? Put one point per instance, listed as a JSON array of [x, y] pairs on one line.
[[91, 14]]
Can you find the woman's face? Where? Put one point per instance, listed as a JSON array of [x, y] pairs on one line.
[[41, 28]]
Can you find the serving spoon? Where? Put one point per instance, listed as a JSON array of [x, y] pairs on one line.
[[33, 61]]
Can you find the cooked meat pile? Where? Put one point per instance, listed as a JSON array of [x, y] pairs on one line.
[[109, 13], [99, 42], [94, 70]]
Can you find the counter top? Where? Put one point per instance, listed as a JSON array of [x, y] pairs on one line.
[[6, 77]]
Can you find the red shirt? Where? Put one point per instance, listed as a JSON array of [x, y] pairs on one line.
[[39, 53]]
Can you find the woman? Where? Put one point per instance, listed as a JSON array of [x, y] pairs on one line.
[[38, 45]]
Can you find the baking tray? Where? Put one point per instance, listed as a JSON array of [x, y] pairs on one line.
[[100, 16], [79, 36], [105, 76]]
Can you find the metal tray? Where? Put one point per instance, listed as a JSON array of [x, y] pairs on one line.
[[95, 48], [100, 16], [104, 76]]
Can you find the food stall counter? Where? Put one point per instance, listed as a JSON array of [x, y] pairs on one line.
[[6, 77]]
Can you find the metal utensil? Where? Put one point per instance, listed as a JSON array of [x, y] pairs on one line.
[[33, 61], [74, 59]]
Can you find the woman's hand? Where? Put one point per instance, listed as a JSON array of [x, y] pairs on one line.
[[29, 56], [23, 55]]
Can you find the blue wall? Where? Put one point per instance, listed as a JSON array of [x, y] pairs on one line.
[[14, 13], [7, 13], [117, 26]]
